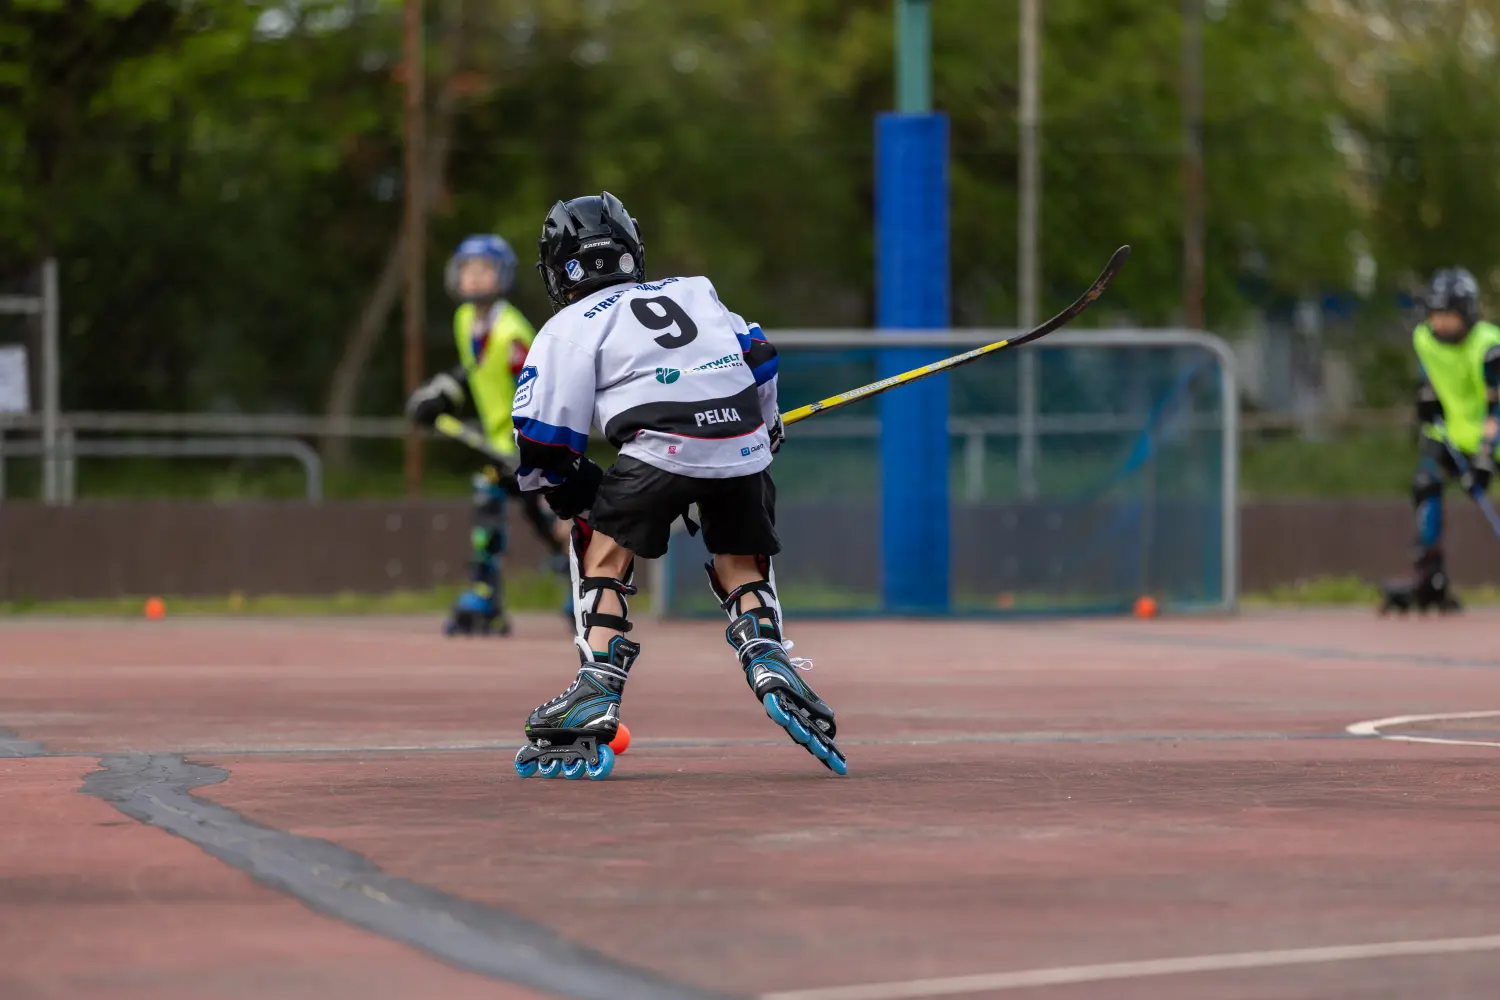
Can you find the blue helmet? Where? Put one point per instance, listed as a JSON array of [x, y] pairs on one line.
[[485, 247]]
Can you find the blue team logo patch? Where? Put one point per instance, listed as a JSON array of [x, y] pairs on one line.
[[525, 382], [575, 271]]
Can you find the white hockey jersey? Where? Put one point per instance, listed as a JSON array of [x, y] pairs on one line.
[[663, 369]]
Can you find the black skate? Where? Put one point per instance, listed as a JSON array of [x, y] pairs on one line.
[[569, 735], [1403, 596], [786, 697], [1426, 590]]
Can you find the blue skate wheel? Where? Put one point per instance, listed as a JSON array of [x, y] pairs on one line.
[[837, 764], [573, 769], [786, 720], [599, 770], [525, 768], [551, 768], [819, 749]]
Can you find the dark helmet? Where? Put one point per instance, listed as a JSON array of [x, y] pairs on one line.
[[1455, 289], [587, 244]]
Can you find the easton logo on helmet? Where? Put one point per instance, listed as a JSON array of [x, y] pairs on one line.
[[575, 271], [666, 376]]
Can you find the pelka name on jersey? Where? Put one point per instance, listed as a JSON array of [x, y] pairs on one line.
[[661, 369]]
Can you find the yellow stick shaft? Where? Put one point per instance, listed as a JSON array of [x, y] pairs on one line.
[[854, 395], [1062, 319]]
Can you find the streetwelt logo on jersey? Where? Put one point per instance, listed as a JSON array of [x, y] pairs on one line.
[[575, 271], [727, 361], [666, 376]]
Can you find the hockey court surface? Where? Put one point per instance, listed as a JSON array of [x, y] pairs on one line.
[[1208, 809]]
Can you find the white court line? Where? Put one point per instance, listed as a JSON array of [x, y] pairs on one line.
[[1072, 974], [1374, 727]]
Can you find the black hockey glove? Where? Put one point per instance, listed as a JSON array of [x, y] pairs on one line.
[[442, 394], [1481, 471], [777, 430], [575, 494]]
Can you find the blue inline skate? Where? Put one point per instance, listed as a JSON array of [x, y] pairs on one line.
[[480, 610], [477, 612], [569, 736], [789, 700]]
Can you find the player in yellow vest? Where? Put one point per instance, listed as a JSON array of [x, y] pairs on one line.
[[493, 339], [1458, 405]]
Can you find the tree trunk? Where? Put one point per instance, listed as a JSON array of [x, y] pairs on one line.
[[343, 387], [374, 317]]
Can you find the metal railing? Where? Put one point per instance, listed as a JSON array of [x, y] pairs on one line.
[[46, 306], [70, 449]]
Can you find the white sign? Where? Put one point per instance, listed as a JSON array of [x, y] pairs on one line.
[[13, 395]]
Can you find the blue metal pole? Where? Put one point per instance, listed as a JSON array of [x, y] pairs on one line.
[[911, 221]]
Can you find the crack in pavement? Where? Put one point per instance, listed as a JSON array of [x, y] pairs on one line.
[[156, 789], [11, 745]]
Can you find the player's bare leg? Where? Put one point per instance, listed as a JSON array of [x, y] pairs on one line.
[[746, 589], [569, 735]]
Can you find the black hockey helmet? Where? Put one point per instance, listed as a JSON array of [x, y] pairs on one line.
[[587, 244], [1454, 289]]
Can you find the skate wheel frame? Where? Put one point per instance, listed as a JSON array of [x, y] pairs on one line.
[[800, 733], [570, 763]]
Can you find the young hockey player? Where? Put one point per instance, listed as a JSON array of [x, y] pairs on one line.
[[1458, 407], [687, 390], [493, 338]]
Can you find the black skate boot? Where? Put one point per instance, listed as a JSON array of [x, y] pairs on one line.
[[790, 702], [1426, 590], [569, 735], [1397, 595]]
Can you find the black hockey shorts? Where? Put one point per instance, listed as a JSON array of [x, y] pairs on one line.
[[637, 504]]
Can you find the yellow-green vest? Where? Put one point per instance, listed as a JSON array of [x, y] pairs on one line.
[[1456, 372], [492, 386]]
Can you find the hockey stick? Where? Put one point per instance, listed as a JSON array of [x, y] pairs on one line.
[[1477, 495], [451, 427], [1062, 319]]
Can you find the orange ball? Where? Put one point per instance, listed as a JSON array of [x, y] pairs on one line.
[[156, 608], [1145, 606], [621, 742]]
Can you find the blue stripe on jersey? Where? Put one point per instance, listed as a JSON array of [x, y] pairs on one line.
[[548, 434], [755, 335], [765, 372]]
